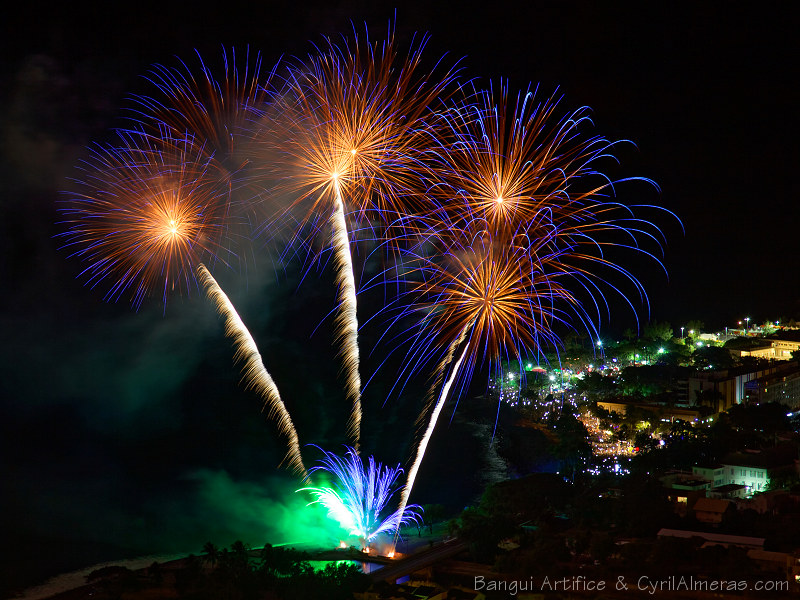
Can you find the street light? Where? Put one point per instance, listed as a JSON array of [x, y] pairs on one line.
[[748, 323], [682, 332]]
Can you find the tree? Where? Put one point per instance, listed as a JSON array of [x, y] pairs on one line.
[[767, 418], [211, 553], [573, 447], [644, 442], [432, 514], [656, 330], [484, 530], [715, 357], [596, 385], [601, 546], [525, 449], [696, 326]]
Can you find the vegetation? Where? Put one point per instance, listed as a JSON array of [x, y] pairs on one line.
[[235, 573]]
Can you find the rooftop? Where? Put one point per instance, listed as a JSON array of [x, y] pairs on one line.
[[719, 538]]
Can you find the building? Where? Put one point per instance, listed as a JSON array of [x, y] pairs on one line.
[[712, 510], [782, 387], [741, 474], [754, 478], [716, 539], [778, 346], [755, 469], [713, 473], [659, 411], [731, 386], [729, 491]]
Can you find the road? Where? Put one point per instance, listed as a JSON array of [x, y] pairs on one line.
[[418, 561]]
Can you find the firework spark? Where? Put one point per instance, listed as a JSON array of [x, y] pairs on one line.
[[216, 108], [358, 495], [254, 374], [500, 293]]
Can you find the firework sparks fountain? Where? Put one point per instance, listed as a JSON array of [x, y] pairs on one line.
[[357, 496]]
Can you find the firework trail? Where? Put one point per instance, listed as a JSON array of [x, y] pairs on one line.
[[346, 323], [254, 374], [146, 214], [437, 409], [359, 495], [352, 115], [219, 111]]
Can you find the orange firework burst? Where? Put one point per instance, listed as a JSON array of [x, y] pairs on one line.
[[145, 216], [498, 291], [353, 121], [506, 163]]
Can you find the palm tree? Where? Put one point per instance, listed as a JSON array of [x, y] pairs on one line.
[[211, 552]]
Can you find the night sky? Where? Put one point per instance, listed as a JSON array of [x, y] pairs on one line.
[[126, 431]]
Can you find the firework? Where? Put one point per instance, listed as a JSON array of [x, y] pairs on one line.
[[358, 495], [357, 116], [254, 374], [352, 117], [521, 244], [501, 226], [144, 215], [346, 324], [490, 297]]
